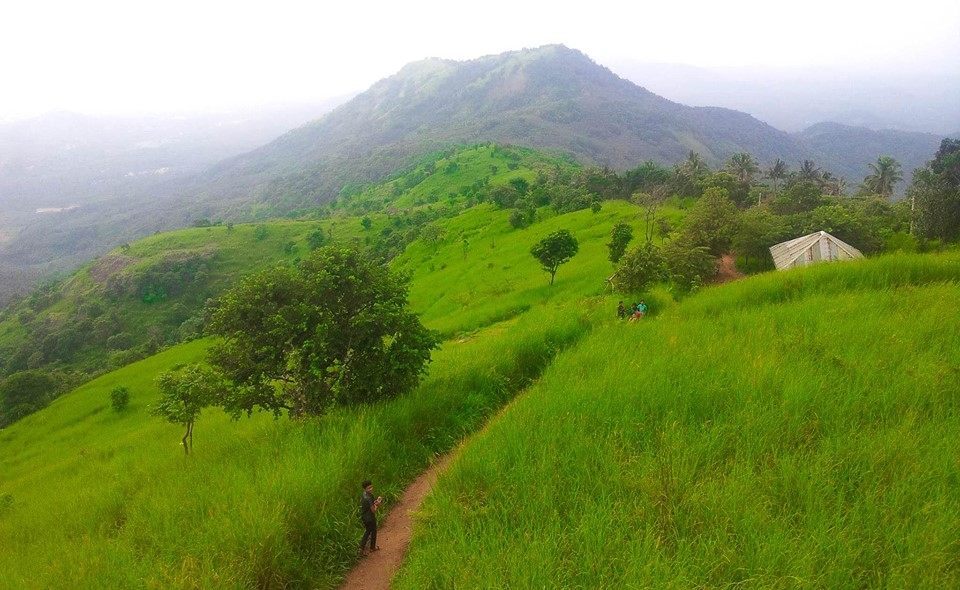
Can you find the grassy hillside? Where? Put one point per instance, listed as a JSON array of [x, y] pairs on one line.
[[151, 293], [792, 430], [264, 503]]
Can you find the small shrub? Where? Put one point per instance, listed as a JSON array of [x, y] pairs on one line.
[[119, 398]]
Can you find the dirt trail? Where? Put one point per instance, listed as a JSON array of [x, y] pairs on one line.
[[727, 270], [375, 571]]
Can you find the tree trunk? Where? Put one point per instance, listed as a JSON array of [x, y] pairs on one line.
[[552, 275], [187, 440]]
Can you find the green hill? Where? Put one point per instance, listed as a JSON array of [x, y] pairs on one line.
[[791, 430], [139, 298], [550, 97], [264, 503]]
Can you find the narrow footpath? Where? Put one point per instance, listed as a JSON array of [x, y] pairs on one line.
[[375, 571]]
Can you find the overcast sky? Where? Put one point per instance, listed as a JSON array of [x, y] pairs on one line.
[[103, 56]]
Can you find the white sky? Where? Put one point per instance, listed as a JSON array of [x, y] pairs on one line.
[[104, 56]]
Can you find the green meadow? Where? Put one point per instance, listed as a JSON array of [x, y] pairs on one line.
[[271, 503], [791, 430]]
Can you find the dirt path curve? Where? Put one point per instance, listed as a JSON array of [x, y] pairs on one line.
[[375, 571]]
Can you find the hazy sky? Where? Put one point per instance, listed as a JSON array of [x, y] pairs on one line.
[[101, 56]]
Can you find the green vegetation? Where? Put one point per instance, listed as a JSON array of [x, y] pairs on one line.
[[796, 429], [261, 502], [555, 249]]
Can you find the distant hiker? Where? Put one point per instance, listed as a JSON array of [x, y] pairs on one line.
[[368, 516], [642, 308], [639, 310], [621, 311]]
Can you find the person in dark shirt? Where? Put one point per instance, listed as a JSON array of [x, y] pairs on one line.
[[368, 516], [621, 311]]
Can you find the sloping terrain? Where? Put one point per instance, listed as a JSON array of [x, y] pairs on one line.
[[264, 503], [795, 429], [151, 293]]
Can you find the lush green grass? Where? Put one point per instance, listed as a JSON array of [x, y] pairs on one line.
[[263, 502], [451, 178], [794, 430], [458, 286]]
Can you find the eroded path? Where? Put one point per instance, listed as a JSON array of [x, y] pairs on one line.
[[375, 571]]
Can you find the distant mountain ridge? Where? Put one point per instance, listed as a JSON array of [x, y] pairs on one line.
[[550, 97]]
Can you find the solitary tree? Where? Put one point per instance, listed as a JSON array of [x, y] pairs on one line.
[[554, 250], [184, 393], [619, 238], [366, 222], [336, 330], [884, 176]]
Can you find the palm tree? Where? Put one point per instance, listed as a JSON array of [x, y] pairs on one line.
[[694, 165], [743, 167], [809, 171], [886, 173], [831, 185], [776, 173]]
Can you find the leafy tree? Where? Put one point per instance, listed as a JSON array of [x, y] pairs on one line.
[[759, 229], [504, 196], [688, 265], [776, 173], [642, 267], [521, 218], [119, 398], [743, 167], [884, 176], [712, 222], [620, 236], [184, 393], [260, 233], [366, 222], [316, 239], [336, 330], [935, 194], [25, 392], [520, 185], [738, 192], [554, 250], [797, 198], [646, 177]]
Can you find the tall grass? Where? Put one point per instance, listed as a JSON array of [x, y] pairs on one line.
[[807, 440], [94, 498], [260, 503]]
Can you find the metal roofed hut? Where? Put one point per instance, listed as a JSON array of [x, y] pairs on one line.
[[811, 249]]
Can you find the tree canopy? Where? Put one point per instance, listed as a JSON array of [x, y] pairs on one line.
[[555, 249], [335, 330]]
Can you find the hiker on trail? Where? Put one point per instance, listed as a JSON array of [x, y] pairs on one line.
[[621, 311], [368, 516]]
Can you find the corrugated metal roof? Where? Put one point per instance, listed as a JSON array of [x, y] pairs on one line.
[[810, 249]]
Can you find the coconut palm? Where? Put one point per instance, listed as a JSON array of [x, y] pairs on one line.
[[886, 173], [694, 165], [743, 167], [776, 173], [810, 172]]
